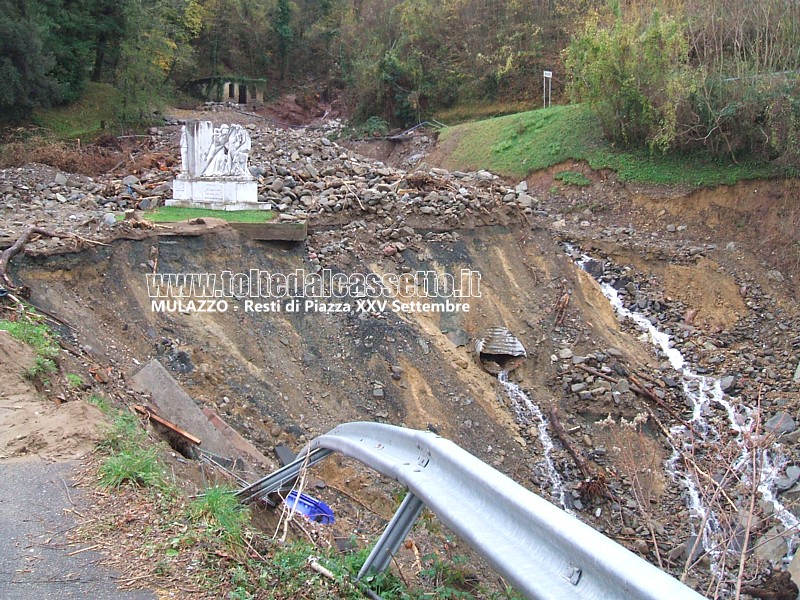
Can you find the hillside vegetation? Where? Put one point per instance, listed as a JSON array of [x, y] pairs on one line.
[[721, 79], [92, 112], [517, 145]]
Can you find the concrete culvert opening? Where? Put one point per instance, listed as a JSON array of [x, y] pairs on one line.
[[499, 350]]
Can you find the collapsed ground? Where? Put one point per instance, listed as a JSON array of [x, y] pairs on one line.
[[715, 268]]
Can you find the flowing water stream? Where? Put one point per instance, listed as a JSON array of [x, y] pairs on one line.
[[751, 462], [529, 413]]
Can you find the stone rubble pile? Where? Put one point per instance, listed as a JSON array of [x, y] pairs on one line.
[[302, 173], [308, 176]]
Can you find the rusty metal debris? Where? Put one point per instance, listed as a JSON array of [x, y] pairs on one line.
[[499, 350], [181, 440]]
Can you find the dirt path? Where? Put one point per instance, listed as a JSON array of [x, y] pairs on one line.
[[38, 508], [40, 444]]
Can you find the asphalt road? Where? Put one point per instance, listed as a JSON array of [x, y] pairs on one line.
[[33, 550]]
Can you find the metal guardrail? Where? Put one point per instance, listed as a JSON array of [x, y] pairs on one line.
[[541, 550]]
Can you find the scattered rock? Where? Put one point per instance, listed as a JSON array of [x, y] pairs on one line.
[[775, 275], [623, 386], [780, 423], [727, 383], [771, 547], [794, 569]]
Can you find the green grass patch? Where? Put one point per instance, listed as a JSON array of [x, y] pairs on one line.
[[572, 178], [84, 119], [130, 460], [134, 465], [101, 402], [36, 335], [471, 111], [39, 337], [41, 368], [288, 572], [123, 433], [173, 214], [221, 513], [517, 145], [74, 381]]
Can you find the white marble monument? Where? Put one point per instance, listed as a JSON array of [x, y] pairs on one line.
[[214, 170]]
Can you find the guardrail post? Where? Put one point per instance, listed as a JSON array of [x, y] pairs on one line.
[[282, 478], [396, 531], [544, 552]]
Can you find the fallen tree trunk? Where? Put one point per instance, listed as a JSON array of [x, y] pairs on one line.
[[26, 236], [566, 441], [16, 248], [641, 389]]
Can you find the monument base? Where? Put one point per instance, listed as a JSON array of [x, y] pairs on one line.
[[216, 193]]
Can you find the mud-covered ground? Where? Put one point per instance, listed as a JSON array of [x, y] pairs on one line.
[[716, 269]]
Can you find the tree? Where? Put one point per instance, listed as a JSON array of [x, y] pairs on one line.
[[634, 75], [284, 32], [157, 37], [108, 31], [27, 77]]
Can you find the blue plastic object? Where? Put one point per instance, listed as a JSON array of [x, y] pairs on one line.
[[315, 510]]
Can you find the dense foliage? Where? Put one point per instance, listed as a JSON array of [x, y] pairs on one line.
[[40, 59], [665, 74], [391, 58], [720, 76], [49, 49]]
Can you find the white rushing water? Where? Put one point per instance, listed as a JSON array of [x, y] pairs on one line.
[[528, 412], [702, 393]]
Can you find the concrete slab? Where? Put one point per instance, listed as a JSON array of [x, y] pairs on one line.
[[174, 404], [244, 449]]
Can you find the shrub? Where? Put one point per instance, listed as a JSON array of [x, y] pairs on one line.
[[647, 85], [634, 77]]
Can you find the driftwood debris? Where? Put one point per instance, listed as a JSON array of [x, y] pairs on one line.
[[638, 387], [26, 237], [594, 484], [643, 390], [597, 373], [560, 308], [16, 248], [566, 441]]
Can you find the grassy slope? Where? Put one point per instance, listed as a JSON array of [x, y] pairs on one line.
[[525, 142], [84, 118], [462, 111]]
